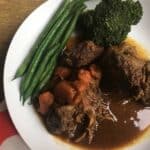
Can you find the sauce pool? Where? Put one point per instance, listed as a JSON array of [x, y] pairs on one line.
[[133, 119], [132, 122]]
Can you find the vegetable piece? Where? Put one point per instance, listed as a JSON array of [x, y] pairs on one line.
[[64, 92], [40, 71], [110, 22], [48, 72], [72, 25], [43, 62], [34, 66], [46, 76], [80, 86], [23, 67], [45, 100], [85, 76], [62, 72], [41, 50]]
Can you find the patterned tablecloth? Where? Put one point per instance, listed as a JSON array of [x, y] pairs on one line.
[[12, 13], [9, 138]]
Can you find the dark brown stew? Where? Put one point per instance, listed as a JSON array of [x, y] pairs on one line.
[[125, 119], [132, 122], [132, 118]]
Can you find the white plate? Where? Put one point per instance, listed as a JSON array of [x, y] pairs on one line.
[[25, 119]]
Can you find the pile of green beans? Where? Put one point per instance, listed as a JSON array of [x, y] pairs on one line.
[[37, 68]]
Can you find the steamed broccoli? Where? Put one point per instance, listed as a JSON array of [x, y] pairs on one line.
[[110, 22]]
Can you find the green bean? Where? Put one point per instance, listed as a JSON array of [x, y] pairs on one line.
[[23, 67], [38, 56], [40, 51], [49, 72], [39, 72], [45, 58], [72, 26], [46, 76]]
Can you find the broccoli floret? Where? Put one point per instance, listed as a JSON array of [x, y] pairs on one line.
[[110, 22]]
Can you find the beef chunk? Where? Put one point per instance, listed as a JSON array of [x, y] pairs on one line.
[[65, 119], [81, 55], [123, 66]]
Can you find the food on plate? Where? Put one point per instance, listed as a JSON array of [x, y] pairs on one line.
[[83, 96], [78, 107], [83, 54], [50, 44], [45, 101], [111, 21], [131, 71], [92, 86]]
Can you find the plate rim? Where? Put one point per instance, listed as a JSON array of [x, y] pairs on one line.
[[4, 71]]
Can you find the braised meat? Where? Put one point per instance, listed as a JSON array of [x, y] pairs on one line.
[[82, 54], [69, 120], [80, 107], [123, 67], [145, 92]]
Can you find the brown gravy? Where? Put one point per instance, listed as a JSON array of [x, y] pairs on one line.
[[132, 121]]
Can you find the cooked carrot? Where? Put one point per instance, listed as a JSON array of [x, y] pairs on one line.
[[95, 72], [45, 100], [79, 85], [64, 92], [62, 72], [85, 76], [69, 92]]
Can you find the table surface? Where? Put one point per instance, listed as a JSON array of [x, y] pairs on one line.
[[12, 13]]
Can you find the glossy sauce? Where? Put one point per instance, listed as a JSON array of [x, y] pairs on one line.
[[133, 120]]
